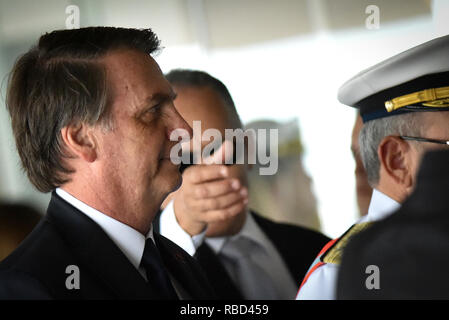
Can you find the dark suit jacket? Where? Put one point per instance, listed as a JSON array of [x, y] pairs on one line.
[[410, 248], [66, 236], [296, 245]]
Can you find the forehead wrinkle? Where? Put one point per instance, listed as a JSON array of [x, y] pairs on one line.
[[134, 84], [126, 95], [135, 94]]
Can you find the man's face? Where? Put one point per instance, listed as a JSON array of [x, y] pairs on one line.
[[134, 155], [205, 105]]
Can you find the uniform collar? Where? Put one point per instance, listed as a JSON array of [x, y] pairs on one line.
[[380, 207], [130, 241]]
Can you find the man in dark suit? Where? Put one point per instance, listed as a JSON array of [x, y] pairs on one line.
[[408, 251], [243, 254], [92, 114]]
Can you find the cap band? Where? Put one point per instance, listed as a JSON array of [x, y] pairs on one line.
[[432, 98]]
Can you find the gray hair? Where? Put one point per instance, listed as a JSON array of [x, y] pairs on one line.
[[374, 131]]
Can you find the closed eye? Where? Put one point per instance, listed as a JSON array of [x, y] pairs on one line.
[[160, 101], [155, 108], [150, 114]]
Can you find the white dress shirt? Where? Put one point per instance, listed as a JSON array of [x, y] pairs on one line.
[[268, 259], [130, 241], [322, 283]]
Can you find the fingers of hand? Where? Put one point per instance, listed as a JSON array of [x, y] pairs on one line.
[[223, 214], [215, 188], [223, 201], [203, 173]]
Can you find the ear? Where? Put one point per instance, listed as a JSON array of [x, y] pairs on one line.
[[80, 141], [395, 158]]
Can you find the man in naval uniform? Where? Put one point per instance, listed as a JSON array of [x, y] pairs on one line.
[[404, 256], [402, 102]]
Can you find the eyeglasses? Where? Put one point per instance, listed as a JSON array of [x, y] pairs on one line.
[[425, 140]]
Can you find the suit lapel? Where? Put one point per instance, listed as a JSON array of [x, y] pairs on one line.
[[97, 251], [217, 274], [184, 269]]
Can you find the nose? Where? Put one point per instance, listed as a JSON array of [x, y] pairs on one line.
[[176, 121]]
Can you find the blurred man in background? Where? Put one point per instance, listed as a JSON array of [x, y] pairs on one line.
[[286, 196], [244, 255]]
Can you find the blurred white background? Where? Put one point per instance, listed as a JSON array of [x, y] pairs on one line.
[[280, 60]]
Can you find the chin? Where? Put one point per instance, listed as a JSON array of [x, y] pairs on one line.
[[178, 184], [173, 181], [171, 175]]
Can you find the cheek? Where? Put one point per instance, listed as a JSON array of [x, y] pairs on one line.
[[109, 149], [135, 151], [152, 146], [416, 159], [123, 154]]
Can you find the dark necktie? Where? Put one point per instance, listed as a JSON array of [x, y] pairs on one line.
[[156, 274]]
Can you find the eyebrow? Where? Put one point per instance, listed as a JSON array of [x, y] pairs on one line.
[[157, 97], [161, 97]]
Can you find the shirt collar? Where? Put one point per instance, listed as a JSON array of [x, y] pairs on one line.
[[249, 230], [130, 241], [380, 207]]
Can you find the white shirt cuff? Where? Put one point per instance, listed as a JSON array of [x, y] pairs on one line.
[[170, 228]]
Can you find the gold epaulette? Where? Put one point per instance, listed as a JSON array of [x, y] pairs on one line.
[[334, 254]]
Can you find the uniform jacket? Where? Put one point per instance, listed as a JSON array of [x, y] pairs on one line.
[[320, 281]]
